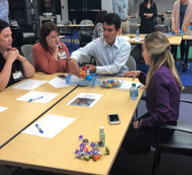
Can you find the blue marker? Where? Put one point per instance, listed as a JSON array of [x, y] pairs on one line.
[[40, 130], [32, 99]]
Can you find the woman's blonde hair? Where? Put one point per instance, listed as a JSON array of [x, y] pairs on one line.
[[158, 47]]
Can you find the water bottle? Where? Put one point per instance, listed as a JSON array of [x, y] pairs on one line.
[[133, 92], [137, 34]]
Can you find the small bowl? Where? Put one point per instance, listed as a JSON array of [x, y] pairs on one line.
[[110, 83]]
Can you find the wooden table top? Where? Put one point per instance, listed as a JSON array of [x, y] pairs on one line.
[[187, 37], [58, 154], [174, 40], [20, 113]]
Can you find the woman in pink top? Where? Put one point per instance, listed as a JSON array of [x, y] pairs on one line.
[[50, 55], [181, 18]]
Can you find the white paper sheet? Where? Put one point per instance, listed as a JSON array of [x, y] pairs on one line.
[[2, 108], [125, 38], [51, 126], [58, 83], [128, 84], [34, 94], [85, 99], [29, 84]]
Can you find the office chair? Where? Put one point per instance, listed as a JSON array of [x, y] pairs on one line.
[[167, 22], [84, 38], [88, 29], [27, 49], [131, 64], [180, 142], [66, 30], [30, 58]]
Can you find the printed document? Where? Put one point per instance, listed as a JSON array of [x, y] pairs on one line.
[[2, 108], [51, 125], [58, 83]]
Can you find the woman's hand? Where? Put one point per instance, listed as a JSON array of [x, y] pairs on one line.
[[136, 125], [173, 28], [184, 28], [51, 44], [133, 74], [10, 56]]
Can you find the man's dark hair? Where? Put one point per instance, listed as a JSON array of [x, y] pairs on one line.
[[3, 25], [112, 18], [46, 29]]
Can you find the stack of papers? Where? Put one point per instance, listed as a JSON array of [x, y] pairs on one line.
[[38, 97], [51, 125], [58, 83], [29, 84], [126, 38]]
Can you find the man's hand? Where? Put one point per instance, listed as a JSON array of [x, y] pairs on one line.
[[91, 68], [74, 67], [136, 125]]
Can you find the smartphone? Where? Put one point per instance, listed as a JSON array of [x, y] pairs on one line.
[[114, 119], [61, 76]]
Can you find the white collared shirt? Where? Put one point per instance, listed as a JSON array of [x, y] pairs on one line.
[[110, 60]]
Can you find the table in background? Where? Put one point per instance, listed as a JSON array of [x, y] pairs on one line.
[[58, 154], [21, 113]]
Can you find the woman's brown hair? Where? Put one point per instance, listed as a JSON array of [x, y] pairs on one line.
[[46, 29], [158, 48], [146, 2], [99, 17]]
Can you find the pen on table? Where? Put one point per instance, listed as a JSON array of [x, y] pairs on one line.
[[139, 86], [32, 99], [40, 130]]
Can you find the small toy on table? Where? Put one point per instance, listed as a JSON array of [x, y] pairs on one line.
[[110, 83], [178, 32]]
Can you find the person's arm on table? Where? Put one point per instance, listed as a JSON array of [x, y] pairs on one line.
[[10, 57], [28, 69], [78, 56], [46, 64], [136, 74], [118, 63]]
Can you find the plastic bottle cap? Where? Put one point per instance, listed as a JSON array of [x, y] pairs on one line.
[[102, 129], [133, 85]]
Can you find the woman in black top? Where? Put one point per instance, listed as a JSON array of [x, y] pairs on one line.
[[147, 13], [12, 65]]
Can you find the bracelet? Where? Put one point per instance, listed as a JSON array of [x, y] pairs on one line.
[[23, 60]]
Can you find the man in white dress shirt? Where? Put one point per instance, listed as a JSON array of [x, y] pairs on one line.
[[110, 51]]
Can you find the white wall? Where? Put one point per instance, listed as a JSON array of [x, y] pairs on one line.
[[107, 5], [64, 12]]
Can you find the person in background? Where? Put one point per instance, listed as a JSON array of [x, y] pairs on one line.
[[4, 10], [50, 55], [181, 18], [12, 65], [98, 27], [110, 52], [121, 8], [147, 13], [163, 87]]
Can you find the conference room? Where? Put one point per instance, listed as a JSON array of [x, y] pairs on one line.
[[95, 87]]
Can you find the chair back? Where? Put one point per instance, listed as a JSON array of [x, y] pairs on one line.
[[16, 31], [131, 64], [65, 22], [88, 29], [158, 20], [167, 22], [27, 49], [30, 58], [84, 38], [133, 28], [162, 28]]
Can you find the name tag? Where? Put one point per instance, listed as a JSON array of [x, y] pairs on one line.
[[123, 10], [62, 55], [17, 76]]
